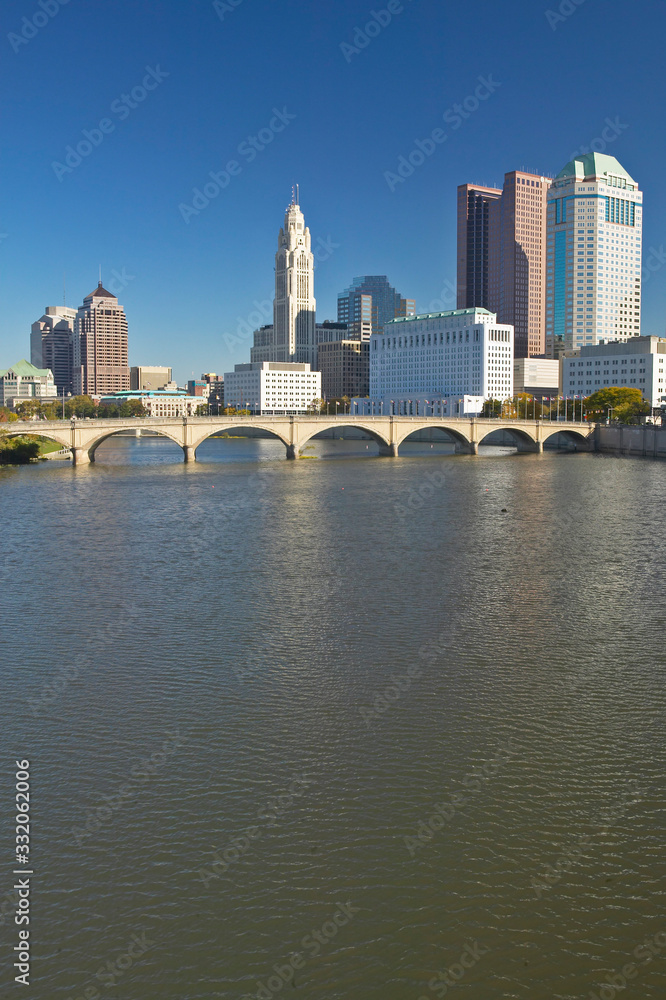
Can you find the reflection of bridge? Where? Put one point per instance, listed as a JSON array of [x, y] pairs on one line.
[[83, 437]]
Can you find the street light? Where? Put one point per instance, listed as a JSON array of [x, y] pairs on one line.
[[609, 410]]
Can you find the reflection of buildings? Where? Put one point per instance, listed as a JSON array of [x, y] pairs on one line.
[[100, 346], [291, 338], [594, 254], [52, 345], [502, 255]]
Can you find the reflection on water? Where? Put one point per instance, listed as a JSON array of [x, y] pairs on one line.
[[254, 691]]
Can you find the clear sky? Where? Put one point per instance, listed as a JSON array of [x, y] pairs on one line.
[[336, 109]]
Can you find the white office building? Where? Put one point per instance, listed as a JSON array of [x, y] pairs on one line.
[[593, 272], [437, 356], [638, 363], [272, 387], [24, 381]]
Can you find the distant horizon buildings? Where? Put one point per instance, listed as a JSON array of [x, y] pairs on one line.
[[501, 255], [100, 346], [594, 260]]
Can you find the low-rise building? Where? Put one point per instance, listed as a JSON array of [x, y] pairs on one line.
[[345, 368], [24, 381], [539, 377], [160, 402], [215, 384], [462, 352], [149, 377], [272, 387], [638, 363]]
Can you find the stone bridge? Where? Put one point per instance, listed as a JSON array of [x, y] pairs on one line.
[[83, 437]]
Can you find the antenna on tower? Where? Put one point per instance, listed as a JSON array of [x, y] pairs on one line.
[[298, 195], [100, 274], [293, 196]]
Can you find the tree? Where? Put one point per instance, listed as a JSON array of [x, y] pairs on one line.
[[617, 402], [7, 415], [18, 450], [316, 406], [80, 406], [492, 408]]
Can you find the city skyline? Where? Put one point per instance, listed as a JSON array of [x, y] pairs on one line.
[[187, 286]]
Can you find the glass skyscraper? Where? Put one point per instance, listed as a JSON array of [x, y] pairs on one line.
[[368, 304], [593, 283]]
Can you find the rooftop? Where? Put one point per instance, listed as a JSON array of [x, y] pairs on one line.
[[442, 315], [100, 293], [594, 165], [24, 369]]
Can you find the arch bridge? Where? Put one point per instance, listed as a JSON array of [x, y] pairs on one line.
[[83, 437]]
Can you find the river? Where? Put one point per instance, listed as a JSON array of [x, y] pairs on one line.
[[326, 728]]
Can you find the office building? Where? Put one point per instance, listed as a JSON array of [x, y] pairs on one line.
[[159, 402], [291, 336], [502, 255], [149, 377], [23, 382], [473, 232], [463, 352], [368, 304], [345, 368], [537, 376], [100, 346], [272, 387], [264, 338], [637, 363], [52, 345], [198, 387], [215, 390], [594, 255]]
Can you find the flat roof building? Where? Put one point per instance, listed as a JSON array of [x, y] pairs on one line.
[[345, 368], [638, 363], [272, 387]]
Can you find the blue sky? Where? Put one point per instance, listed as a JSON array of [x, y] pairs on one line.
[[219, 73]]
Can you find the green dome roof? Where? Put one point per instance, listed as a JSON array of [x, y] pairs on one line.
[[594, 165]]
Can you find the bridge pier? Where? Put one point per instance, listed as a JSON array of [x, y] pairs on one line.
[[292, 452], [388, 450], [474, 447], [81, 456], [538, 447], [189, 453]]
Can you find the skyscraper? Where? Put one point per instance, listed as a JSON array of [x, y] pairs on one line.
[[593, 292], [368, 304], [502, 255], [52, 345], [291, 337], [100, 346], [474, 205], [294, 306]]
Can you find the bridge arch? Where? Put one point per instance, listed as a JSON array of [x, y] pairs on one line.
[[454, 433], [237, 426], [309, 431], [62, 439], [575, 437], [93, 444], [520, 435]]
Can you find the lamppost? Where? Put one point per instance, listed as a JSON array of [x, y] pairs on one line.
[[63, 402], [609, 410]]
